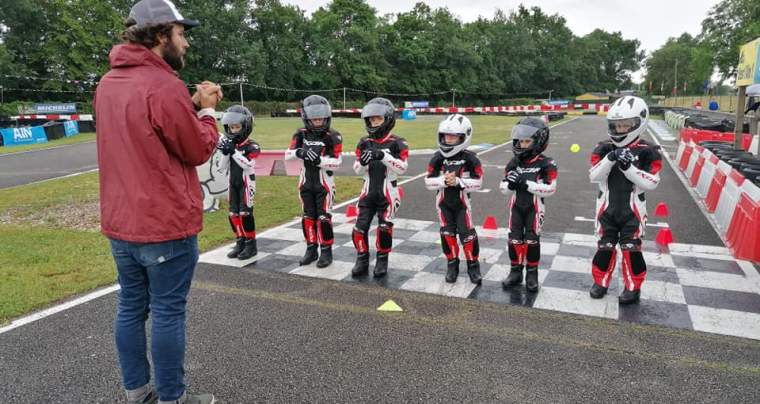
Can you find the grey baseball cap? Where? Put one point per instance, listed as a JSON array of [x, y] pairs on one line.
[[147, 12]]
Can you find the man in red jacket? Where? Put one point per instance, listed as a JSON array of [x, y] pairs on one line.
[[151, 134]]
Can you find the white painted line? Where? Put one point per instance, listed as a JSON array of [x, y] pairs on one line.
[[54, 178], [59, 308], [585, 219]]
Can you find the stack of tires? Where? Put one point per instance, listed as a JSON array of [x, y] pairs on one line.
[[743, 161]]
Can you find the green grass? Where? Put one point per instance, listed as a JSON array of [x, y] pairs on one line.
[[80, 138], [52, 247], [275, 133]]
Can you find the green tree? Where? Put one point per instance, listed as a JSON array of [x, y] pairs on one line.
[[345, 46], [283, 30], [608, 60], [694, 66], [224, 47], [730, 24]]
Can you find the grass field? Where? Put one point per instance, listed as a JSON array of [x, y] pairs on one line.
[[52, 248], [80, 138], [275, 133]]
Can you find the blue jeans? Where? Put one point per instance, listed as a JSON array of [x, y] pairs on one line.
[[154, 277]]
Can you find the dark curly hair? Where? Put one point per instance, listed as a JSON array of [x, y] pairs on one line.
[[147, 36]]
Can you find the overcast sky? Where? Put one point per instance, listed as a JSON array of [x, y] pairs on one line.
[[652, 22]]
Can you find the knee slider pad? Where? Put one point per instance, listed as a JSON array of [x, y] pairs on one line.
[[603, 258], [384, 242], [638, 265], [325, 230], [359, 237]]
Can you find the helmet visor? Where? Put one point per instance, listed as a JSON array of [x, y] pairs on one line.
[[317, 111], [622, 127], [233, 117], [520, 132], [374, 110], [442, 139]]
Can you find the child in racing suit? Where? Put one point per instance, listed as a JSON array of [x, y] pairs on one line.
[[239, 154], [320, 147], [532, 177], [454, 172], [624, 167], [380, 157]]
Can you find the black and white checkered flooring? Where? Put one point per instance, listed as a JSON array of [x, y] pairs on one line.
[[689, 286]]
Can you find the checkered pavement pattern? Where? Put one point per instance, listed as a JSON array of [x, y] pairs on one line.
[[688, 286]]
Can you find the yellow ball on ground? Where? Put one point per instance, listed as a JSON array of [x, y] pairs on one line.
[[575, 148]]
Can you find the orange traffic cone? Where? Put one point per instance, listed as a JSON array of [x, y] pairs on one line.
[[661, 209], [664, 237], [489, 223], [351, 212]]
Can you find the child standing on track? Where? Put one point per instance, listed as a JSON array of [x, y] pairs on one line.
[[320, 147], [531, 177], [235, 145], [454, 172], [380, 158], [624, 166]]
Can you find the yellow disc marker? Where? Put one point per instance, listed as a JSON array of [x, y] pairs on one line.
[[575, 148], [390, 305]]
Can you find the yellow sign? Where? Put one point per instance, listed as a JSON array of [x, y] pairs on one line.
[[748, 71]]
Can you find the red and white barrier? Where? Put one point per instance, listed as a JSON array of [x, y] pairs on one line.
[[693, 158], [684, 156], [728, 200], [743, 235], [490, 109], [707, 175], [55, 117], [716, 186], [725, 191], [696, 172]]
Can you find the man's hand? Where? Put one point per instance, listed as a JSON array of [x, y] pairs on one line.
[[207, 95], [301, 154]]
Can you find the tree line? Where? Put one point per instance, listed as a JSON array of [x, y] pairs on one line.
[[685, 65], [273, 46], [57, 49]]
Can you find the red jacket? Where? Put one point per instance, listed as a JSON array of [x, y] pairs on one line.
[[150, 139]]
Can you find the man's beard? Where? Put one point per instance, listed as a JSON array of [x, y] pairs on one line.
[[172, 56]]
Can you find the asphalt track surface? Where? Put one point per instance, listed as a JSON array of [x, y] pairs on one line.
[[39, 165], [257, 336]]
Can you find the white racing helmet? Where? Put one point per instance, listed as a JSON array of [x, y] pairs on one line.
[[627, 120], [454, 125]]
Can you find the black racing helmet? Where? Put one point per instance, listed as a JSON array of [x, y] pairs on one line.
[[379, 107], [240, 115], [530, 128], [316, 107]]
